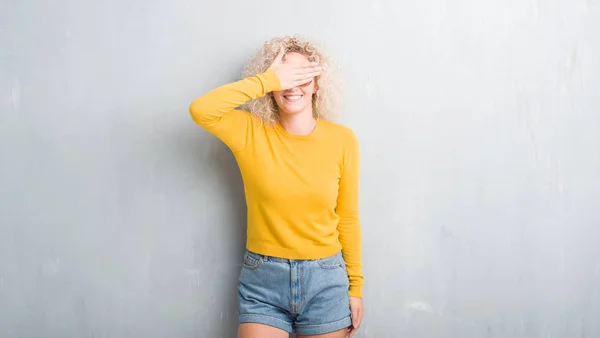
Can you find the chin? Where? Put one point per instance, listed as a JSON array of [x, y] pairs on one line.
[[294, 104], [293, 110]]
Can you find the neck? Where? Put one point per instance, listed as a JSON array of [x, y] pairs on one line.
[[298, 124]]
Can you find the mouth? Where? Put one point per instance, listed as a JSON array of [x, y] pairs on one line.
[[293, 98]]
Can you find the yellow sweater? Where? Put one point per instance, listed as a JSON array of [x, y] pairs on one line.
[[301, 190]]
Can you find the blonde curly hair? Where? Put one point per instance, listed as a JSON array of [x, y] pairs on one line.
[[325, 103]]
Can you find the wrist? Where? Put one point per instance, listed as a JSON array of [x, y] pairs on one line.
[[272, 82]]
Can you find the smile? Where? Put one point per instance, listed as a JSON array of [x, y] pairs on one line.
[[293, 97]]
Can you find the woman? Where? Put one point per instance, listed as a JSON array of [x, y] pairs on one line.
[[302, 269]]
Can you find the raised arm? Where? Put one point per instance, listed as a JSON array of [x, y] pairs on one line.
[[216, 111]]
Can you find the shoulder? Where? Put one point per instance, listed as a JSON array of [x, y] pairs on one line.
[[345, 135], [338, 130]]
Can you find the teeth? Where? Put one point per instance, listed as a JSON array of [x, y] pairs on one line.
[[293, 97]]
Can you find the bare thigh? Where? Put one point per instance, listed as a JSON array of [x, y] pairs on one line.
[[343, 333], [254, 330]]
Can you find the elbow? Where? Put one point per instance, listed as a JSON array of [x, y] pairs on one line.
[[199, 112], [348, 221], [196, 110]]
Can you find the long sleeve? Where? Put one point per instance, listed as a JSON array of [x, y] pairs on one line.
[[216, 111], [348, 211]]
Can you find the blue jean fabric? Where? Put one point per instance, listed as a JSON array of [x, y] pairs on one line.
[[308, 297]]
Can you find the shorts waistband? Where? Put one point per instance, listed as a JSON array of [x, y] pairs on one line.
[[268, 258]]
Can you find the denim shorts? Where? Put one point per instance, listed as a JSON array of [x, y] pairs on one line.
[[308, 297]]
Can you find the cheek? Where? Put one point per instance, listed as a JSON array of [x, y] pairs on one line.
[[278, 97], [308, 97], [308, 94]]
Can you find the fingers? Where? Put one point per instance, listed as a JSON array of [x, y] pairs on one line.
[[307, 72], [295, 74], [302, 64], [307, 76], [307, 68], [352, 331], [355, 318], [305, 84], [357, 315], [360, 316], [356, 311], [302, 83], [312, 70]]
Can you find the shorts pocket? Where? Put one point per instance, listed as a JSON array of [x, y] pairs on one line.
[[252, 261], [332, 262]]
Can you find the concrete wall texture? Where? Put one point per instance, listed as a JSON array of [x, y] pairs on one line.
[[479, 124]]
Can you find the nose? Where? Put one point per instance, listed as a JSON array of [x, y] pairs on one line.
[[293, 91], [297, 90]]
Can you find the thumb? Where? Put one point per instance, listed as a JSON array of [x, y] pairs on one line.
[[279, 56]]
